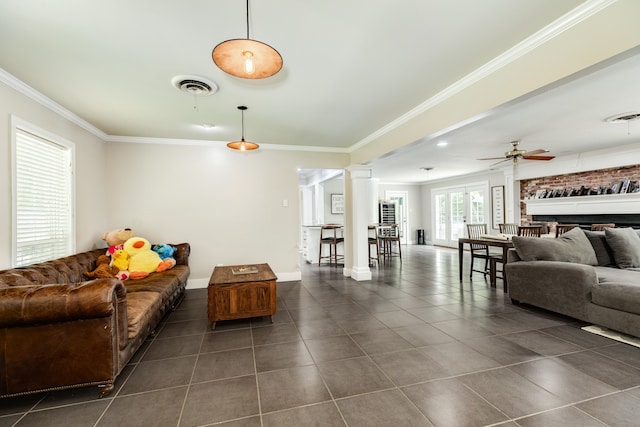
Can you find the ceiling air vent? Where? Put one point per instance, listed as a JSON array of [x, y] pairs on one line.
[[194, 85], [623, 118]]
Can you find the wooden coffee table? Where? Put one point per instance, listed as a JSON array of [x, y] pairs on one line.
[[240, 292]]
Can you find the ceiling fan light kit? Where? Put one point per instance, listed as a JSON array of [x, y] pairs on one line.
[[247, 58]]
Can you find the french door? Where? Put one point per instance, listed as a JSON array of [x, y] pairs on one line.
[[452, 208]]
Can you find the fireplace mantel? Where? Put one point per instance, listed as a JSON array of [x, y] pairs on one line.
[[585, 205]]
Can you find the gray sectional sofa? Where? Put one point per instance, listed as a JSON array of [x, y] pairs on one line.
[[592, 276]]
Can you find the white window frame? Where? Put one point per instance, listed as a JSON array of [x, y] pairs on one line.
[[17, 126]]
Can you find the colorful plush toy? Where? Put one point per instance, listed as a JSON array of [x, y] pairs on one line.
[[103, 269], [142, 260], [164, 250], [116, 238], [120, 260]]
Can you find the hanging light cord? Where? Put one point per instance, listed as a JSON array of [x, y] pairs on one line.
[[247, 19], [243, 119]]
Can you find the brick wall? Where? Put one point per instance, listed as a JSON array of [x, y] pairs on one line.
[[596, 178]]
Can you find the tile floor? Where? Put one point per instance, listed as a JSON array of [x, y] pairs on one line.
[[412, 347]]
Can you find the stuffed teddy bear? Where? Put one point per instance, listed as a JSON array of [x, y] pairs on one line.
[[142, 260], [103, 269], [116, 238]]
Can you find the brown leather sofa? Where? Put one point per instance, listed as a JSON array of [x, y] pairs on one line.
[[58, 330]]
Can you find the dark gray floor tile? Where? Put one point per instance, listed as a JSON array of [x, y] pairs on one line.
[[363, 324], [288, 388], [243, 422], [173, 347], [408, 302], [328, 349], [459, 358], [607, 370], [542, 343], [382, 306], [159, 374], [226, 340], [280, 318], [502, 325], [162, 406], [86, 414], [224, 364], [620, 410], [421, 335], [280, 356], [9, 420], [383, 409], [465, 310], [409, 366], [563, 417], [577, 336], [511, 393], [624, 353], [395, 319], [501, 350], [275, 334], [222, 400], [187, 327], [562, 380], [320, 415], [432, 314], [462, 328], [319, 328], [353, 376], [380, 341], [450, 403], [538, 319]]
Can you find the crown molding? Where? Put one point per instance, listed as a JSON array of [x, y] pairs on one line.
[[559, 26]]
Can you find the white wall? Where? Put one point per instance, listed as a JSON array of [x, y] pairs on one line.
[[228, 205], [91, 177]]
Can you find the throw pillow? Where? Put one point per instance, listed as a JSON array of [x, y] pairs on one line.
[[602, 249], [625, 245], [572, 246]]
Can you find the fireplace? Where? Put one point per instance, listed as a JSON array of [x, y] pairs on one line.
[[585, 220]]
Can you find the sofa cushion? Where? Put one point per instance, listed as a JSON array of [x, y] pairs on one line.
[[141, 307], [603, 251], [625, 245], [624, 296], [572, 246]]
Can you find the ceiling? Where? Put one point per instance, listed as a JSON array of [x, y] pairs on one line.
[[351, 67]]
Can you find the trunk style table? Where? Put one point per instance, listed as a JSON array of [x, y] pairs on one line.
[[240, 292]]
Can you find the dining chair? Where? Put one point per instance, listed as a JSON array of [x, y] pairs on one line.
[[372, 238], [530, 230], [389, 237], [330, 235], [478, 250], [508, 228], [563, 228], [601, 227]]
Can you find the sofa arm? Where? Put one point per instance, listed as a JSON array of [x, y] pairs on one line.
[[28, 305], [182, 254], [562, 287]]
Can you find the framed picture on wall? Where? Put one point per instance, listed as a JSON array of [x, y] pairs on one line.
[[497, 206], [337, 203]]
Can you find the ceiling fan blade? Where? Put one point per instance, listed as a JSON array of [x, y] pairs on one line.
[[492, 158], [535, 152], [538, 157]]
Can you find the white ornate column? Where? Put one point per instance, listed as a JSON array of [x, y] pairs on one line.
[[361, 201]]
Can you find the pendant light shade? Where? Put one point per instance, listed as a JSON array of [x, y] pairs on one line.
[[247, 58], [243, 145]]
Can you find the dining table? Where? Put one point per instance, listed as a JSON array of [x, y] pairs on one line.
[[503, 243]]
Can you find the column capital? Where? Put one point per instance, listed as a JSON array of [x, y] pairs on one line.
[[359, 171]]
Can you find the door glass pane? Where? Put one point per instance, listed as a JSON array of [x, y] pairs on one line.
[[476, 202], [457, 214], [441, 217]]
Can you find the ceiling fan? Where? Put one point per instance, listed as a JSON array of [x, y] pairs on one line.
[[516, 154]]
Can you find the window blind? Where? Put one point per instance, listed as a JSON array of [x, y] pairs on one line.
[[43, 210]]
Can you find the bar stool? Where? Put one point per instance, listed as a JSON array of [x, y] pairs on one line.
[[372, 238], [389, 237], [330, 234]]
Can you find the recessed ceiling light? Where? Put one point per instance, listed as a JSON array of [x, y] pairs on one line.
[[208, 125], [194, 85], [442, 144]]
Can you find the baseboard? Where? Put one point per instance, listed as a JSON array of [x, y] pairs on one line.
[[293, 276]]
